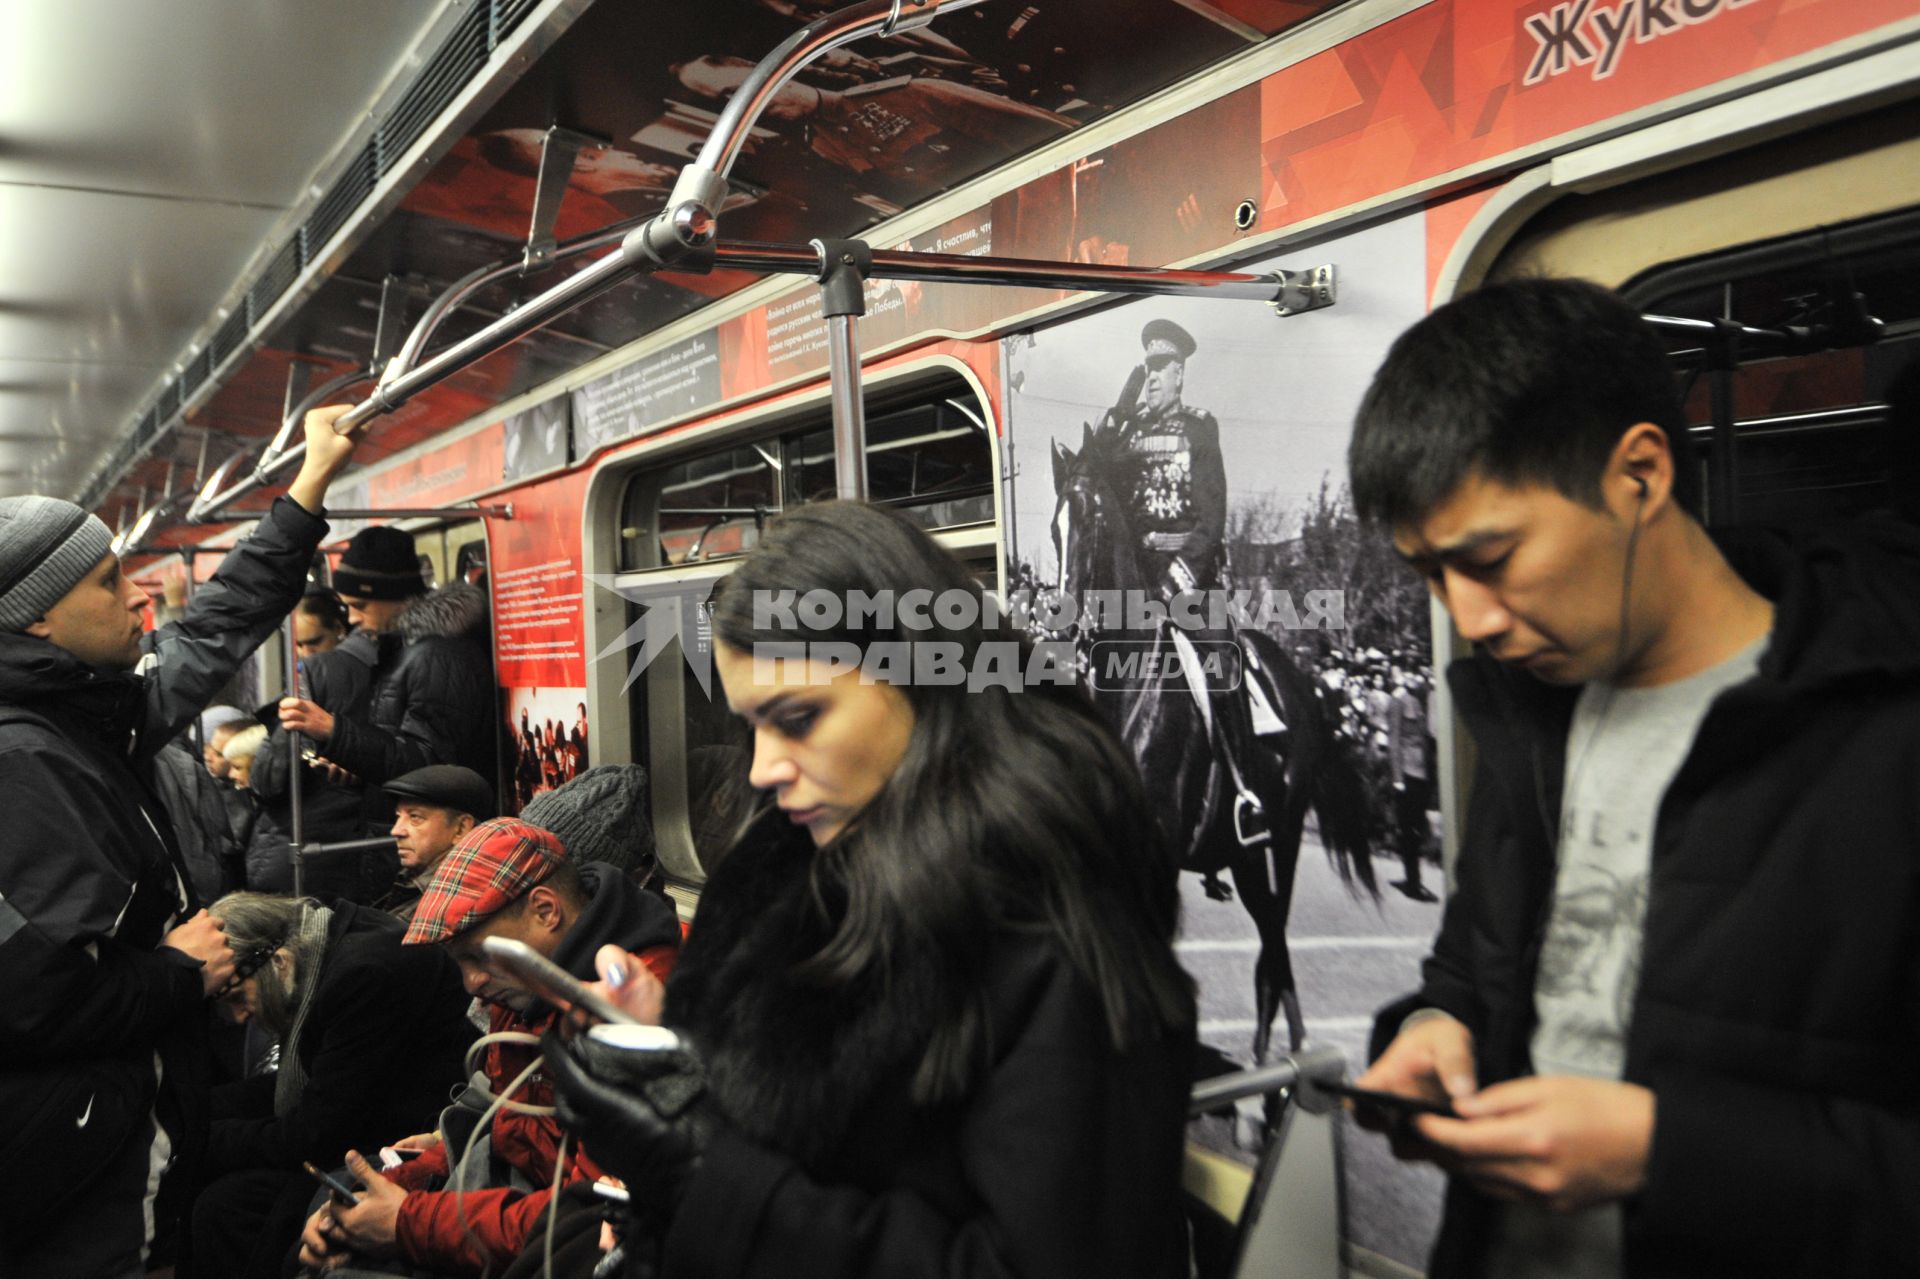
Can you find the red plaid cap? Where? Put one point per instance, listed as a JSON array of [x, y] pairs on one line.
[[491, 868]]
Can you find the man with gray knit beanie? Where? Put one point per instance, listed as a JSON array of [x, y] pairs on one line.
[[106, 955]]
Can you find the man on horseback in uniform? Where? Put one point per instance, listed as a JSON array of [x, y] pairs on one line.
[[1175, 484]]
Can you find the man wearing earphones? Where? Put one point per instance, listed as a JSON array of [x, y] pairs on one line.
[[1675, 998]]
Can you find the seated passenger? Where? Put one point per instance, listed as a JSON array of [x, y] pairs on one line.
[[603, 815], [372, 1036], [930, 996], [505, 879], [434, 808]]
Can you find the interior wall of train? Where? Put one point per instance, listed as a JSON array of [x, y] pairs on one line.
[[1748, 163]]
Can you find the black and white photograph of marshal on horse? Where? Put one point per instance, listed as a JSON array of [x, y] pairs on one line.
[[1192, 452]]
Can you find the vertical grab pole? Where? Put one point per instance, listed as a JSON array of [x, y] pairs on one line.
[[1723, 358], [843, 275], [294, 752]]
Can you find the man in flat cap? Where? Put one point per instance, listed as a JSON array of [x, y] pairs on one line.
[[508, 879], [1175, 486], [106, 957], [434, 808]]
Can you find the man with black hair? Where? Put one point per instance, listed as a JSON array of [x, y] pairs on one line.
[[1675, 997]]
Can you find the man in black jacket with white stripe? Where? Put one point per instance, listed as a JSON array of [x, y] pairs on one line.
[[1675, 998], [105, 955]]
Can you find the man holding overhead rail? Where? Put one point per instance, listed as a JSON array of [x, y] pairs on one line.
[[106, 958], [1675, 998], [509, 879]]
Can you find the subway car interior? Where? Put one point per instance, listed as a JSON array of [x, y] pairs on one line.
[[612, 285]]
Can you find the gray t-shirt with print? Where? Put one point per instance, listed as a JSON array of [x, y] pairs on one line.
[[1623, 749]]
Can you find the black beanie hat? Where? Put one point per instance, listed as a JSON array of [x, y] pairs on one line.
[[379, 564]]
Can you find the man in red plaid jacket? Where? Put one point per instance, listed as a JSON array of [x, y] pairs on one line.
[[505, 878]]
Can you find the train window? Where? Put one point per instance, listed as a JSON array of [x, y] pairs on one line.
[[1810, 432], [929, 460], [928, 454]]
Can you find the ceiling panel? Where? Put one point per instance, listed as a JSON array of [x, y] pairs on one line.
[[208, 99], [147, 152]]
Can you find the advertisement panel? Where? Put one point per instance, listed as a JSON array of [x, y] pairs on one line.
[[1198, 447]]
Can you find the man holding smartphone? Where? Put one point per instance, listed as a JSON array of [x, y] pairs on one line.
[[105, 954], [512, 880], [1675, 997]]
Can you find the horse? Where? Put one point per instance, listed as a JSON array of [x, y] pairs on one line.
[[1163, 725]]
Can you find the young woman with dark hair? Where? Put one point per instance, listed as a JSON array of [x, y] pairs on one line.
[[930, 1004]]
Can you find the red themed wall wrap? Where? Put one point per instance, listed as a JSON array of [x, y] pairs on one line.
[[536, 583]]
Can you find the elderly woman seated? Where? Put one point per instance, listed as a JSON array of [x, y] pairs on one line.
[[372, 1036]]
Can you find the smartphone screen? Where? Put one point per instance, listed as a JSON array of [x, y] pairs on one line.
[[550, 981]]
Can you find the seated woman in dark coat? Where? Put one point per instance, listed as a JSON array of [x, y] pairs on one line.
[[931, 1017], [372, 1038]]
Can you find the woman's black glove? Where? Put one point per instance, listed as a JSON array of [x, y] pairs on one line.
[[642, 1114]]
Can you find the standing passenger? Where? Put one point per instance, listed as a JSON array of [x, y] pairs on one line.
[[931, 995], [1676, 996], [106, 959], [433, 701]]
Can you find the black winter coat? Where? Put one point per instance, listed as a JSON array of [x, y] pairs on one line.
[[382, 1047], [90, 880], [342, 682], [437, 704], [197, 806], [1063, 1161], [1777, 1020]]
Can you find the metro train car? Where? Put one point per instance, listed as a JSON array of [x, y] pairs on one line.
[[615, 283]]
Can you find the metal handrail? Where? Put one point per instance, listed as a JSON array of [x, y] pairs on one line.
[[682, 237]]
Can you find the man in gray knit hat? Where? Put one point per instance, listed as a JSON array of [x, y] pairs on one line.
[[105, 953]]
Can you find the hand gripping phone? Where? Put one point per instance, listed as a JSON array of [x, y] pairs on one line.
[[1396, 1106], [342, 1192], [550, 981]]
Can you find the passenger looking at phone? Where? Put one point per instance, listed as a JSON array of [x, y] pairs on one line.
[[432, 699], [106, 957], [932, 1017], [335, 805], [434, 809], [507, 879], [372, 1036], [1675, 997]]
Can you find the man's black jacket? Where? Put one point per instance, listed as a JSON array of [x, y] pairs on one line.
[[90, 881], [1777, 1019]]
